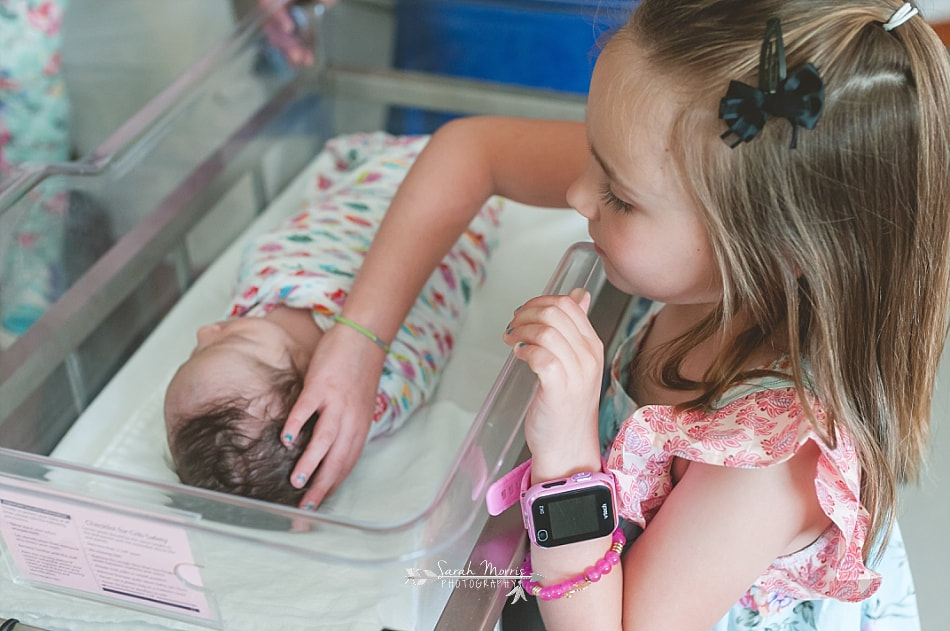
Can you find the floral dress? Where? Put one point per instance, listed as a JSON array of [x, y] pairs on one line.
[[34, 129], [310, 261], [823, 586]]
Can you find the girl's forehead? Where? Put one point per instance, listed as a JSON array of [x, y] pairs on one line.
[[630, 116]]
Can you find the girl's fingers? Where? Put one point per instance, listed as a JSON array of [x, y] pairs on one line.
[[557, 338], [556, 360], [550, 368], [324, 434], [307, 404], [560, 348], [554, 337], [582, 297], [336, 462], [336, 465], [561, 313], [325, 480], [551, 308]]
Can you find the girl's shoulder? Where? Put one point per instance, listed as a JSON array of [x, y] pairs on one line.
[[756, 425]]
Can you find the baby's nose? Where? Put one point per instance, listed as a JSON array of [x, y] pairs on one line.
[[208, 333]]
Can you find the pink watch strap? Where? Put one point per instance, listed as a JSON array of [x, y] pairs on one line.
[[506, 490]]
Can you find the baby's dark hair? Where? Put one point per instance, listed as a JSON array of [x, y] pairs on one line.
[[217, 448]]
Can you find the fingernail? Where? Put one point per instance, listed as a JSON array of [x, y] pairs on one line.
[[520, 344], [309, 506], [300, 479], [519, 308], [508, 331], [288, 438]]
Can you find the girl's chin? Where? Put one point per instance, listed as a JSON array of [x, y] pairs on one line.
[[614, 280]]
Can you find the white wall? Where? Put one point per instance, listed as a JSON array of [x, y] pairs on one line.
[[935, 10], [118, 54]]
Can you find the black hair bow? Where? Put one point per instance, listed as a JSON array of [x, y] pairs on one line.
[[798, 98]]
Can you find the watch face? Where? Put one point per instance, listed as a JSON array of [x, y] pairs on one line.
[[573, 516]]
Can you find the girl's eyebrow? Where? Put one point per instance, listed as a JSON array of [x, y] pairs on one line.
[[603, 165], [611, 174]]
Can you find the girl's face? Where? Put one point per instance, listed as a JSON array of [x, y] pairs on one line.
[[234, 358], [644, 225]]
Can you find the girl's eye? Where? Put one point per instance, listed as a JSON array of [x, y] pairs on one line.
[[612, 201]]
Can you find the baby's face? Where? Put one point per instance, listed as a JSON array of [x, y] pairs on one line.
[[232, 359]]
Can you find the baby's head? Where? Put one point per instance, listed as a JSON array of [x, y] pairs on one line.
[[225, 407]]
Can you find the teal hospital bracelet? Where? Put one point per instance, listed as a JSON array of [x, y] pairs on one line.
[[353, 325]]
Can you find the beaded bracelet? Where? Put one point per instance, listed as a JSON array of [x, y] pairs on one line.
[[353, 325], [580, 582]]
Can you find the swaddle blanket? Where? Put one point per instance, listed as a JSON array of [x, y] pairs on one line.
[[310, 260]]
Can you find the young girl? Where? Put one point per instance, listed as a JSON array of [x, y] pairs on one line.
[[225, 405], [777, 393]]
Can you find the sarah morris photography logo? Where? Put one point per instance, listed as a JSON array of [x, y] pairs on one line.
[[490, 576]]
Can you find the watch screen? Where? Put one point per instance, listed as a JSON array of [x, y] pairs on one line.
[[573, 515]]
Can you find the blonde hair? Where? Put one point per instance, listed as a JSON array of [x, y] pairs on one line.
[[838, 247]]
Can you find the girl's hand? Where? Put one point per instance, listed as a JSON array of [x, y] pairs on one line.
[[340, 386], [553, 335]]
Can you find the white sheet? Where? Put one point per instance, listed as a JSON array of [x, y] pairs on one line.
[[123, 430]]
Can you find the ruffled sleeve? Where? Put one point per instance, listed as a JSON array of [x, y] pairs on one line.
[[759, 429]]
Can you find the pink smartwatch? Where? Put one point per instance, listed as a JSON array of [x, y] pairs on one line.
[[558, 512]]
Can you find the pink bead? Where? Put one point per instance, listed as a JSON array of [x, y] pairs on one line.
[[590, 575]]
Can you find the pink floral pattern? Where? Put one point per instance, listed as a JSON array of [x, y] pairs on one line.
[[757, 426], [34, 117]]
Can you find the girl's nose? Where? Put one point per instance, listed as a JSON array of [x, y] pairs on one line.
[[582, 195]]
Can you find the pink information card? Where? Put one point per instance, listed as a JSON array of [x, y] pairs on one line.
[[137, 562]]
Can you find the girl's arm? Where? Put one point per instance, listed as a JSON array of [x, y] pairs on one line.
[[466, 162], [716, 533]]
